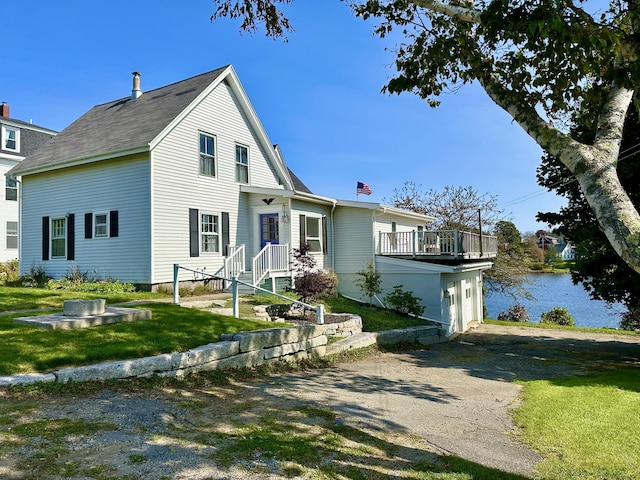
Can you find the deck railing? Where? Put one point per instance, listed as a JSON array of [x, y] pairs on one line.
[[271, 259], [444, 243]]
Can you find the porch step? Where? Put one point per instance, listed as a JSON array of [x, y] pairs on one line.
[[245, 277]]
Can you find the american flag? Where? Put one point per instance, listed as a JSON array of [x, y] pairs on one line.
[[363, 188]]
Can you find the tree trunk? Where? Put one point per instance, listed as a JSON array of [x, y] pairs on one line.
[[616, 214]]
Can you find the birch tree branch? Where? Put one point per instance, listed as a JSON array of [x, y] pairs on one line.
[[456, 12]]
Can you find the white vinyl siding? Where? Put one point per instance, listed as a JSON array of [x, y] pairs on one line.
[[121, 185], [177, 185], [353, 238]]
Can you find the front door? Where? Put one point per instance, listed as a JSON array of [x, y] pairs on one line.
[[269, 229]]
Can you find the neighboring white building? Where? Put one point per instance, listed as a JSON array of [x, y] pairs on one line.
[[566, 251], [17, 140], [186, 174]]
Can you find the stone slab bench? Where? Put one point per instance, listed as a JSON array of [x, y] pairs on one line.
[[62, 321], [82, 308]]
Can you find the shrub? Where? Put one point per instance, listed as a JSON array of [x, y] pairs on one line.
[[37, 277], [515, 313], [314, 286], [310, 283], [404, 302], [630, 320], [558, 316], [8, 272], [368, 280]]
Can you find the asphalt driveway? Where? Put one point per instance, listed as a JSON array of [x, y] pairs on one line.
[[452, 398]]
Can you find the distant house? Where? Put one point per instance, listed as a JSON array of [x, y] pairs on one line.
[[546, 242], [565, 251], [186, 174], [18, 139]]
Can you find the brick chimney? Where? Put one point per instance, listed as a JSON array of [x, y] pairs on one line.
[[4, 110], [136, 92]]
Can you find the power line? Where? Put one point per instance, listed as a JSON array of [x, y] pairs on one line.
[[623, 155]]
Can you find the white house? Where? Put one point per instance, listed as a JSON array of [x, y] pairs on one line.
[[566, 251], [17, 140], [186, 174]]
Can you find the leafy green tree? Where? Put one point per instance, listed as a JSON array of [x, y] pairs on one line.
[[369, 281], [597, 267], [507, 276], [539, 61]]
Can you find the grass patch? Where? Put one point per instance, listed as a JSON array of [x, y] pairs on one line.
[[374, 319], [17, 298], [585, 426], [48, 439], [608, 331], [172, 329]]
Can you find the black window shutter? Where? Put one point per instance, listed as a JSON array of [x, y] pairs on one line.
[[194, 244], [114, 228], [324, 235], [303, 230], [88, 225], [71, 237], [225, 233], [45, 238]]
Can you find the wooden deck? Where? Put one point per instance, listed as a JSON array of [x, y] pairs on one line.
[[437, 245]]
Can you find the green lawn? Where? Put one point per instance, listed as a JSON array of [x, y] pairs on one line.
[[19, 298], [586, 427], [172, 329]]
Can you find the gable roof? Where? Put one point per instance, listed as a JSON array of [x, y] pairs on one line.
[[127, 126]]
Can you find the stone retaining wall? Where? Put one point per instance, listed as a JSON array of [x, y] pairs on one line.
[[236, 350]]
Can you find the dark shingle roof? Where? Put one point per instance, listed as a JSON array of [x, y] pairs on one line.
[[119, 125], [298, 185]]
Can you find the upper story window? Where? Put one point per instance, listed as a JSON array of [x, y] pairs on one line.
[[242, 164], [11, 189], [10, 138], [58, 238], [209, 233], [207, 155]]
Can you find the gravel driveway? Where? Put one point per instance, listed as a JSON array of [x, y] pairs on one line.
[[382, 414]]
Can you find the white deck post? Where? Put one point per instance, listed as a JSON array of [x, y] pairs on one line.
[[413, 242], [176, 284]]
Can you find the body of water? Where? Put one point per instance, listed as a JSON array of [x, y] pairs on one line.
[[556, 290]]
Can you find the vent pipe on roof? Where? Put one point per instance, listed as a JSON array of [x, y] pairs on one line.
[[4, 110], [136, 92]]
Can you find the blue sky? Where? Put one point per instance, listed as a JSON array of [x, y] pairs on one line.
[[318, 95]]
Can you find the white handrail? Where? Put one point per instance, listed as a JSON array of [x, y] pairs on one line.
[[234, 263], [234, 288]]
